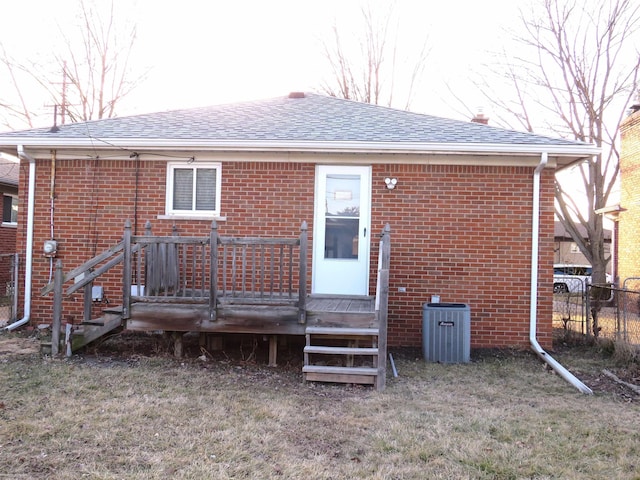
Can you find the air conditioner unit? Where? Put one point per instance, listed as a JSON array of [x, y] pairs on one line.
[[446, 332]]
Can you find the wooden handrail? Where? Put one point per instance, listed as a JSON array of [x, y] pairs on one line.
[[382, 303], [85, 267], [258, 241], [143, 240], [384, 259]]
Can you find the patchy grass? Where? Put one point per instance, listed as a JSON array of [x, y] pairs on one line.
[[140, 414]]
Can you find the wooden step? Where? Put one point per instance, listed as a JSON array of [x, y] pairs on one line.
[[94, 323], [116, 309], [89, 333], [321, 373], [340, 350], [341, 374], [342, 370], [342, 331]]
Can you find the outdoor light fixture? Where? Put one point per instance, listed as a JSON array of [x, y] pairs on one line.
[[391, 182]]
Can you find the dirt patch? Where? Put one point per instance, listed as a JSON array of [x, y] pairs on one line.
[[18, 344]]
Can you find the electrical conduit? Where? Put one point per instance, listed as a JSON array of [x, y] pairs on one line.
[[29, 243], [535, 227]]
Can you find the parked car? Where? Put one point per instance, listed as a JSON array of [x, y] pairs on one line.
[[572, 278]]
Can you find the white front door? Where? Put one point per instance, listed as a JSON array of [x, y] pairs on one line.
[[341, 230]]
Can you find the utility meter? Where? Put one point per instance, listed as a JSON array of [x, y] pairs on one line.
[[50, 248]]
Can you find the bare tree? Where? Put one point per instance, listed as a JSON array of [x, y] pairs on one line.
[[575, 74], [376, 71], [99, 73], [14, 111], [87, 79]]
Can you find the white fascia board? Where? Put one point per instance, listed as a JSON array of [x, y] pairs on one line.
[[284, 146]]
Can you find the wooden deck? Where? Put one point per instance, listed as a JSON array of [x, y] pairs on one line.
[[238, 317], [231, 285]]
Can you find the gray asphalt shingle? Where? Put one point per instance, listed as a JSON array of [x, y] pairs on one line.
[[313, 118]]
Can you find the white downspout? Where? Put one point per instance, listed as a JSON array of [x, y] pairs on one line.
[[29, 243], [535, 227]]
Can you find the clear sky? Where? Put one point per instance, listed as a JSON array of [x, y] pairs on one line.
[[203, 52]]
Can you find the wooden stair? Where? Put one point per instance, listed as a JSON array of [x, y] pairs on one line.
[[316, 351], [90, 331]]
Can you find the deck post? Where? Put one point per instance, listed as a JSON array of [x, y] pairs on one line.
[[56, 324], [213, 273], [126, 271], [178, 345], [150, 253], [173, 264], [302, 299], [383, 306], [273, 350]]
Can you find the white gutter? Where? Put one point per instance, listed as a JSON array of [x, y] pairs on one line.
[[535, 227], [133, 144], [29, 243]]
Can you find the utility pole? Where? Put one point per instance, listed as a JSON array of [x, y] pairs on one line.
[[64, 93], [62, 113]]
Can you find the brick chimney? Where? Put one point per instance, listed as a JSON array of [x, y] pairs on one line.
[[480, 118]]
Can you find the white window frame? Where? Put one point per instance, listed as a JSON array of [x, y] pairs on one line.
[[170, 211], [8, 224]]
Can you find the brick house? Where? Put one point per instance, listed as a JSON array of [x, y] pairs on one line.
[[567, 252], [8, 226], [628, 264], [460, 198]]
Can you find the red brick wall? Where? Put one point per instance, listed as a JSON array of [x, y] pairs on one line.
[[7, 246], [463, 233], [629, 225]]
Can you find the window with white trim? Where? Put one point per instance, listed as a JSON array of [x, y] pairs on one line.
[[193, 189], [9, 210]]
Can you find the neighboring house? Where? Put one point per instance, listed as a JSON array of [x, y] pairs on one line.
[[566, 250], [9, 191], [460, 199], [629, 208]]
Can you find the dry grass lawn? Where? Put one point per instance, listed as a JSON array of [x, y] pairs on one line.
[[140, 414]]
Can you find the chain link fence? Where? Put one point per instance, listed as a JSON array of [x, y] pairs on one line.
[[603, 311], [569, 307], [628, 311], [8, 292]]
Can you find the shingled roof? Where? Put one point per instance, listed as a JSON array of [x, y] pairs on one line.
[[9, 171], [296, 119]]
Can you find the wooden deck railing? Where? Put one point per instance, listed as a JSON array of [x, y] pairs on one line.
[[167, 269], [174, 269], [262, 270], [248, 270]]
